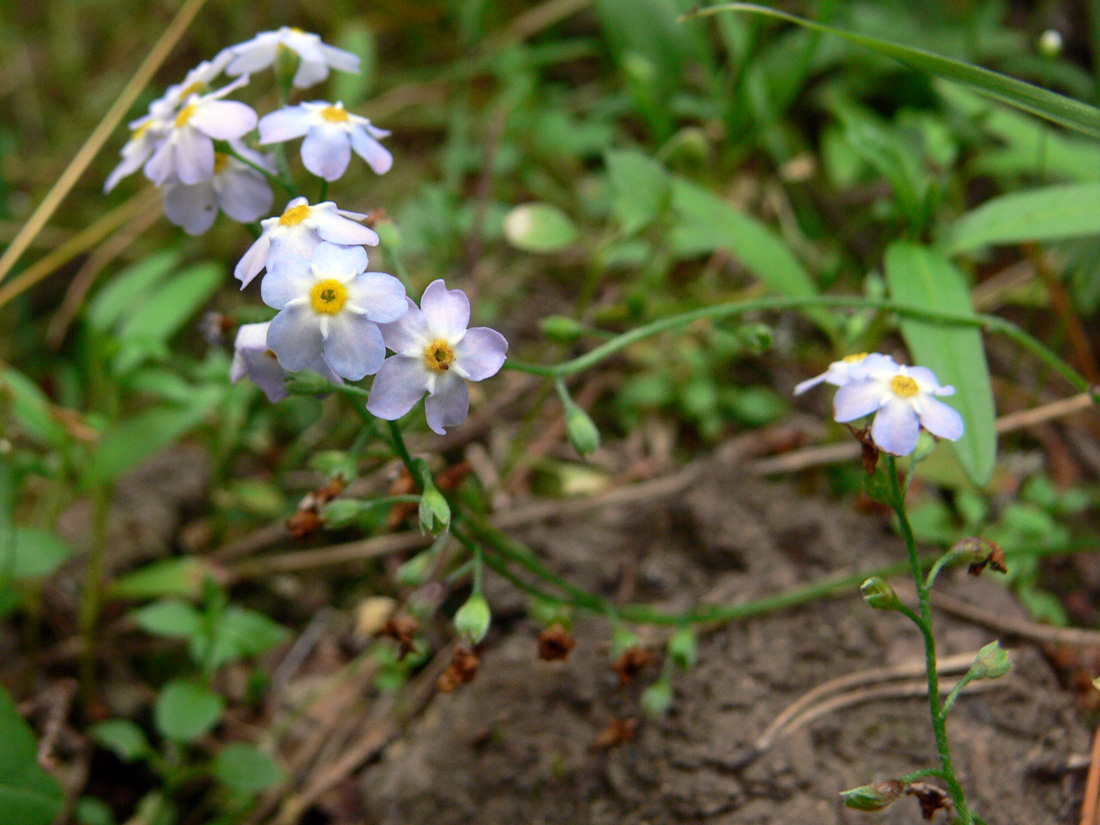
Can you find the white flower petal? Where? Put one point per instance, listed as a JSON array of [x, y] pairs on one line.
[[448, 405], [481, 354], [194, 156], [254, 261], [284, 124], [223, 119], [338, 229], [339, 59], [326, 152], [252, 56], [896, 427], [191, 207], [243, 194], [447, 311], [940, 419], [289, 278], [295, 338], [857, 399], [400, 383], [342, 263], [381, 296], [924, 377], [370, 150], [409, 334], [809, 383], [161, 167], [354, 347]]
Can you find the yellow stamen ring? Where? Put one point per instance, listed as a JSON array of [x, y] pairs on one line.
[[855, 358], [334, 114], [438, 355], [185, 115], [295, 215], [904, 386], [328, 297]]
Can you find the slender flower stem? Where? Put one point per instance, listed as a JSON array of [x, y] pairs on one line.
[[990, 323], [402, 451], [924, 623]]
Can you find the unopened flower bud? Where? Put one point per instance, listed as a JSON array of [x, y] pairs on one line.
[[1050, 43], [992, 662], [287, 62], [657, 698], [335, 464], [879, 595], [341, 512], [682, 649], [756, 338], [582, 431], [561, 328], [435, 513], [873, 797], [926, 443], [472, 619], [414, 572]]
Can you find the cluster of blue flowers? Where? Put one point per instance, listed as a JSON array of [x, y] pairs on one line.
[[334, 317]]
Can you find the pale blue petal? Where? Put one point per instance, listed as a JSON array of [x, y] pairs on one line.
[[243, 194], [370, 150], [809, 383], [338, 229], [194, 155], [295, 338], [309, 73], [896, 427], [354, 347], [340, 59], [224, 119], [192, 207], [253, 262], [857, 399], [399, 384], [940, 419], [924, 377], [380, 296], [288, 278], [481, 354], [284, 124], [448, 405], [408, 335], [342, 263], [326, 152], [446, 310], [161, 167]]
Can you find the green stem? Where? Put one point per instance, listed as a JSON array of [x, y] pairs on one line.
[[290, 188], [990, 323], [924, 622], [954, 694], [90, 597], [402, 451]]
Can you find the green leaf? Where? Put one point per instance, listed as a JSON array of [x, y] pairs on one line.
[[1049, 213], [123, 295], [31, 408], [122, 737], [241, 633], [641, 188], [37, 553], [164, 311], [245, 769], [28, 794], [185, 711], [539, 227], [705, 222], [924, 279], [171, 577], [1042, 102], [171, 617]]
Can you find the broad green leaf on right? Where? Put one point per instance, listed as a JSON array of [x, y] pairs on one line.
[[28, 794], [925, 279]]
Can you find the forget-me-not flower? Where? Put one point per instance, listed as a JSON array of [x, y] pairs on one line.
[[330, 306], [253, 359], [849, 368], [235, 187], [331, 132], [298, 231], [435, 354], [316, 56]]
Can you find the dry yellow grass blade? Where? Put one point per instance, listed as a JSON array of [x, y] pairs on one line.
[[99, 135]]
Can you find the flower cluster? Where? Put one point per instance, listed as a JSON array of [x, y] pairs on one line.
[[333, 316], [903, 399]]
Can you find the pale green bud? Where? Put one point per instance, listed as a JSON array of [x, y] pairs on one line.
[[657, 698], [435, 513], [682, 649], [992, 662], [561, 328], [334, 464], [414, 572], [287, 62], [926, 443], [341, 512], [622, 640], [472, 619], [873, 797], [1050, 43], [878, 594], [582, 431]]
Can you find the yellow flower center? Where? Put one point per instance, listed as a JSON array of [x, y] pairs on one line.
[[194, 88], [328, 296], [221, 159], [296, 30], [438, 355], [904, 386], [295, 215], [140, 130], [185, 115], [855, 358], [334, 114]]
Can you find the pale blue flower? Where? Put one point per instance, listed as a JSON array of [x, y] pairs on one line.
[[235, 187], [331, 132], [903, 400], [253, 360], [848, 368], [435, 354], [316, 56], [298, 231], [329, 306]]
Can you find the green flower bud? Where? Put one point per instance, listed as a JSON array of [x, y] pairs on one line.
[[435, 513], [561, 328], [873, 797], [1050, 43], [287, 62], [879, 594], [472, 619], [414, 572], [622, 640], [341, 512], [582, 431], [992, 662], [657, 698], [307, 383], [926, 443], [334, 464], [682, 649], [756, 338]]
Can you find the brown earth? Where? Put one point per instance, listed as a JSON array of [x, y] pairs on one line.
[[515, 745]]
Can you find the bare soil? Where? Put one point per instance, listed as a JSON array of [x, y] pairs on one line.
[[515, 746]]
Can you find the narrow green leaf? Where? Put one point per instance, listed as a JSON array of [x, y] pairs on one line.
[[170, 617], [31, 408], [166, 309], [245, 769], [539, 227], [123, 294], [241, 633], [925, 279], [185, 711], [641, 188], [28, 795], [1042, 102], [705, 222], [1049, 213], [171, 577]]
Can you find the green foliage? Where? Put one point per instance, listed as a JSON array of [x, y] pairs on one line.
[[186, 711], [123, 738], [1050, 213], [539, 227], [28, 795], [246, 770]]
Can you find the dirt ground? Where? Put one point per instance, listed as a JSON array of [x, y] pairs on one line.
[[515, 745]]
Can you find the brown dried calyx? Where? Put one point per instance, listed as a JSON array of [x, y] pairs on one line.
[[307, 520], [931, 798], [402, 629], [630, 664], [462, 669], [556, 643], [616, 732]]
